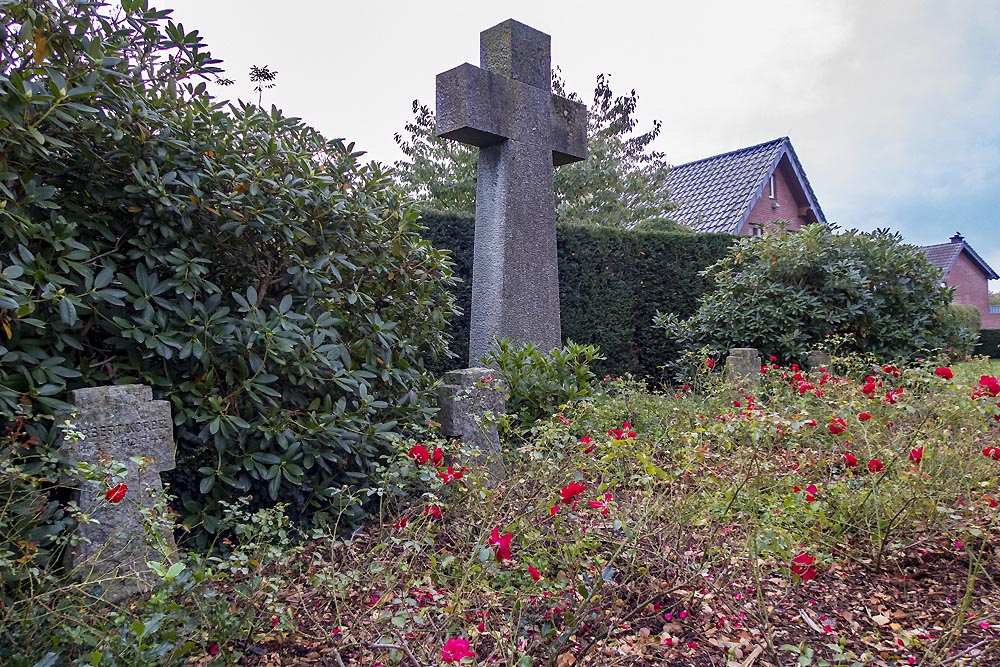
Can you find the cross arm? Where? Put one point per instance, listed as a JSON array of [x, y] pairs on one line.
[[481, 108], [468, 106]]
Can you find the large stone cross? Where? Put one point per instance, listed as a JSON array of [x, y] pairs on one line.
[[506, 107]]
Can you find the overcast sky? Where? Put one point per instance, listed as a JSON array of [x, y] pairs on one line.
[[893, 106]]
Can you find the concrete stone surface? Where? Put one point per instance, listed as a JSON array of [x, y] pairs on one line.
[[817, 359], [743, 364], [507, 109], [119, 423], [466, 394]]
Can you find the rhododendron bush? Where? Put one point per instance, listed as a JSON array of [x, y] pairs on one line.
[[787, 293]]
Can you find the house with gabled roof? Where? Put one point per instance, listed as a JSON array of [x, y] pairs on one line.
[[968, 273], [745, 191]]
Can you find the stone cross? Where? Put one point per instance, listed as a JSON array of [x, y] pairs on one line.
[[124, 424], [506, 107]]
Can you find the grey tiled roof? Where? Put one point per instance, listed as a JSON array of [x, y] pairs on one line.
[[717, 193], [944, 255]]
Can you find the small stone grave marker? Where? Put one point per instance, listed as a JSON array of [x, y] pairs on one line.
[[743, 364], [817, 359], [123, 423], [469, 399]]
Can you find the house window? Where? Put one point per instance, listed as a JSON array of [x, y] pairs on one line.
[[770, 185], [756, 229]]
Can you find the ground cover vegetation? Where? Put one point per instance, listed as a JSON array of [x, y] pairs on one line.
[[259, 277], [615, 186], [843, 516], [865, 292]]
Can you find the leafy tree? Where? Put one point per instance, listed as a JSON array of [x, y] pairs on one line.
[[275, 290], [263, 79], [439, 172], [786, 294], [619, 184]]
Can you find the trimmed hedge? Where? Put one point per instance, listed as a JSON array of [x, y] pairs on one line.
[[966, 316], [989, 343], [611, 283]]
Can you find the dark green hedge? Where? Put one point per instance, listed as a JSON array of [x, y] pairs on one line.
[[612, 281], [989, 343]]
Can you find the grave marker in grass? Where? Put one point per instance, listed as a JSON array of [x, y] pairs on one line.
[[119, 425]]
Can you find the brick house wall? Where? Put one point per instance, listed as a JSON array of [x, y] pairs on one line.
[[765, 214], [972, 289]]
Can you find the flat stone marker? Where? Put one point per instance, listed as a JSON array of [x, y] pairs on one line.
[[120, 422], [743, 363], [817, 359], [506, 107]]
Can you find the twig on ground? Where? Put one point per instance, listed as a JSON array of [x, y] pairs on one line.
[[399, 647]]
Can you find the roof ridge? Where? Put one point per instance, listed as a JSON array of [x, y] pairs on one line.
[[733, 152]]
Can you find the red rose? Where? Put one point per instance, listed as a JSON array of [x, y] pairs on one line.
[[437, 457], [850, 460], [710, 362], [875, 465], [433, 510], [864, 416], [944, 372], [501, 544], [569, 492], [916, 455], [803, 565], [811, 492], [892, 395], [992, 453], [454, 650], [837, 425], [420, 454], [535, 574], [988, 386], [116, 494]]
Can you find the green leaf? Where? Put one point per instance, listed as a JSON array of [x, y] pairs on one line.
[[175, 570], [51, 658], [67, 312]]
